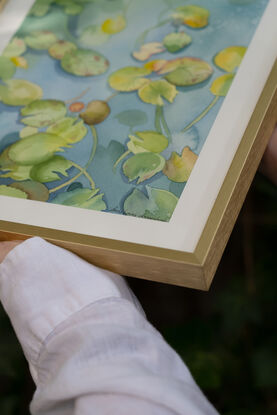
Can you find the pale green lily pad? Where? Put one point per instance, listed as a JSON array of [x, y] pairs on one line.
[[40, 8], [174, 42], [11, 192], [147, 141], [178, 168], [47, 171], [41, 39], [192, 16], [7, 68], [34, 190], [18, 92], [93, 36], [143, 166], [132, 118], [70, 129], [26, 131], [221, 85], [71, 7], [186, 71], [82, 198], [230, 58], [158, 204], [129, 78], [82, 62], [60, 48], [12, 170], [154, 92], [36, 148], [41, 113], [16, 47]]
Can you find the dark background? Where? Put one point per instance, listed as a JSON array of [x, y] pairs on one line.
[[227, 336]]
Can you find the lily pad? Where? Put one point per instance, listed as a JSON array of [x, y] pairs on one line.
[[174, 42], [113, 26], [41, 39], [230, 58], [154, 92], [47, 171], [36, 148], [82, 198], [12, 170], [158, 204], [221, 85], [147, 50], [186, 71], [71, 7], [132, 118], [26, 131], [96, 112], [34, 190], [178, 169], [70, 129], [93, 36], [20, 62], [147, 141], [143, 166], [41, 113], [129, 78], [60, 48], [18, 92], [11, 192], [82, 62], [7, 68], [16, 47], [192, 16], [40, 8]]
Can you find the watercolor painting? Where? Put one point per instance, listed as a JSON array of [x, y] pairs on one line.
[[106, 104]]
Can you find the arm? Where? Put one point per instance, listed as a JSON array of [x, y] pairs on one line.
[[88, 343]]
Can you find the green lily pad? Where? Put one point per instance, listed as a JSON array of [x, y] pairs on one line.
[[147, 141], [26, 131], [11, 192], [93, 36], [7, 68], [178, 168], [129, 78], [186, 71], [71, 7], [143, 166], [70, 129], [192, 16], [41, 113], [96, 112], [41, 39], [174, 42], [82, 62], [154, 92], [221, 85], [60, 48], [18, 92], [158, 204], [230, 58], [34, 190], [36, 148], [16, 47], [40, 8], [47, 171], [82, 198], [12, 170], [132, 118]]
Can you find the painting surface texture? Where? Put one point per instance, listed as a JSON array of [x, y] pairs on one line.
[[106, 104]]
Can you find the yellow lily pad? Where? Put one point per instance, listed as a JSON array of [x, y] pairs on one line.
[[230, 58], [11, 192], [192, 16], [113, 26], [221, 85], [147, 50], [154, 92], [129, 78], [178, 168]]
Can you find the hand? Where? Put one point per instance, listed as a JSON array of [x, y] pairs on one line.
[[6, 247], [269, 162]]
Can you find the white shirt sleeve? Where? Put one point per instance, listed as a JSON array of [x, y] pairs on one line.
[[88, 343]]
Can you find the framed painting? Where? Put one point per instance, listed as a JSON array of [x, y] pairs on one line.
[[131, 130]]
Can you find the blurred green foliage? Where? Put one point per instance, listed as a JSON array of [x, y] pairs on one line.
[[227, 337]]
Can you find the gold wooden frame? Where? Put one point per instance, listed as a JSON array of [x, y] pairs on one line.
[[194, 270], [2, 4]]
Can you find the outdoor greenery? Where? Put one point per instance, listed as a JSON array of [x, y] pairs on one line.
[[227, 336]]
